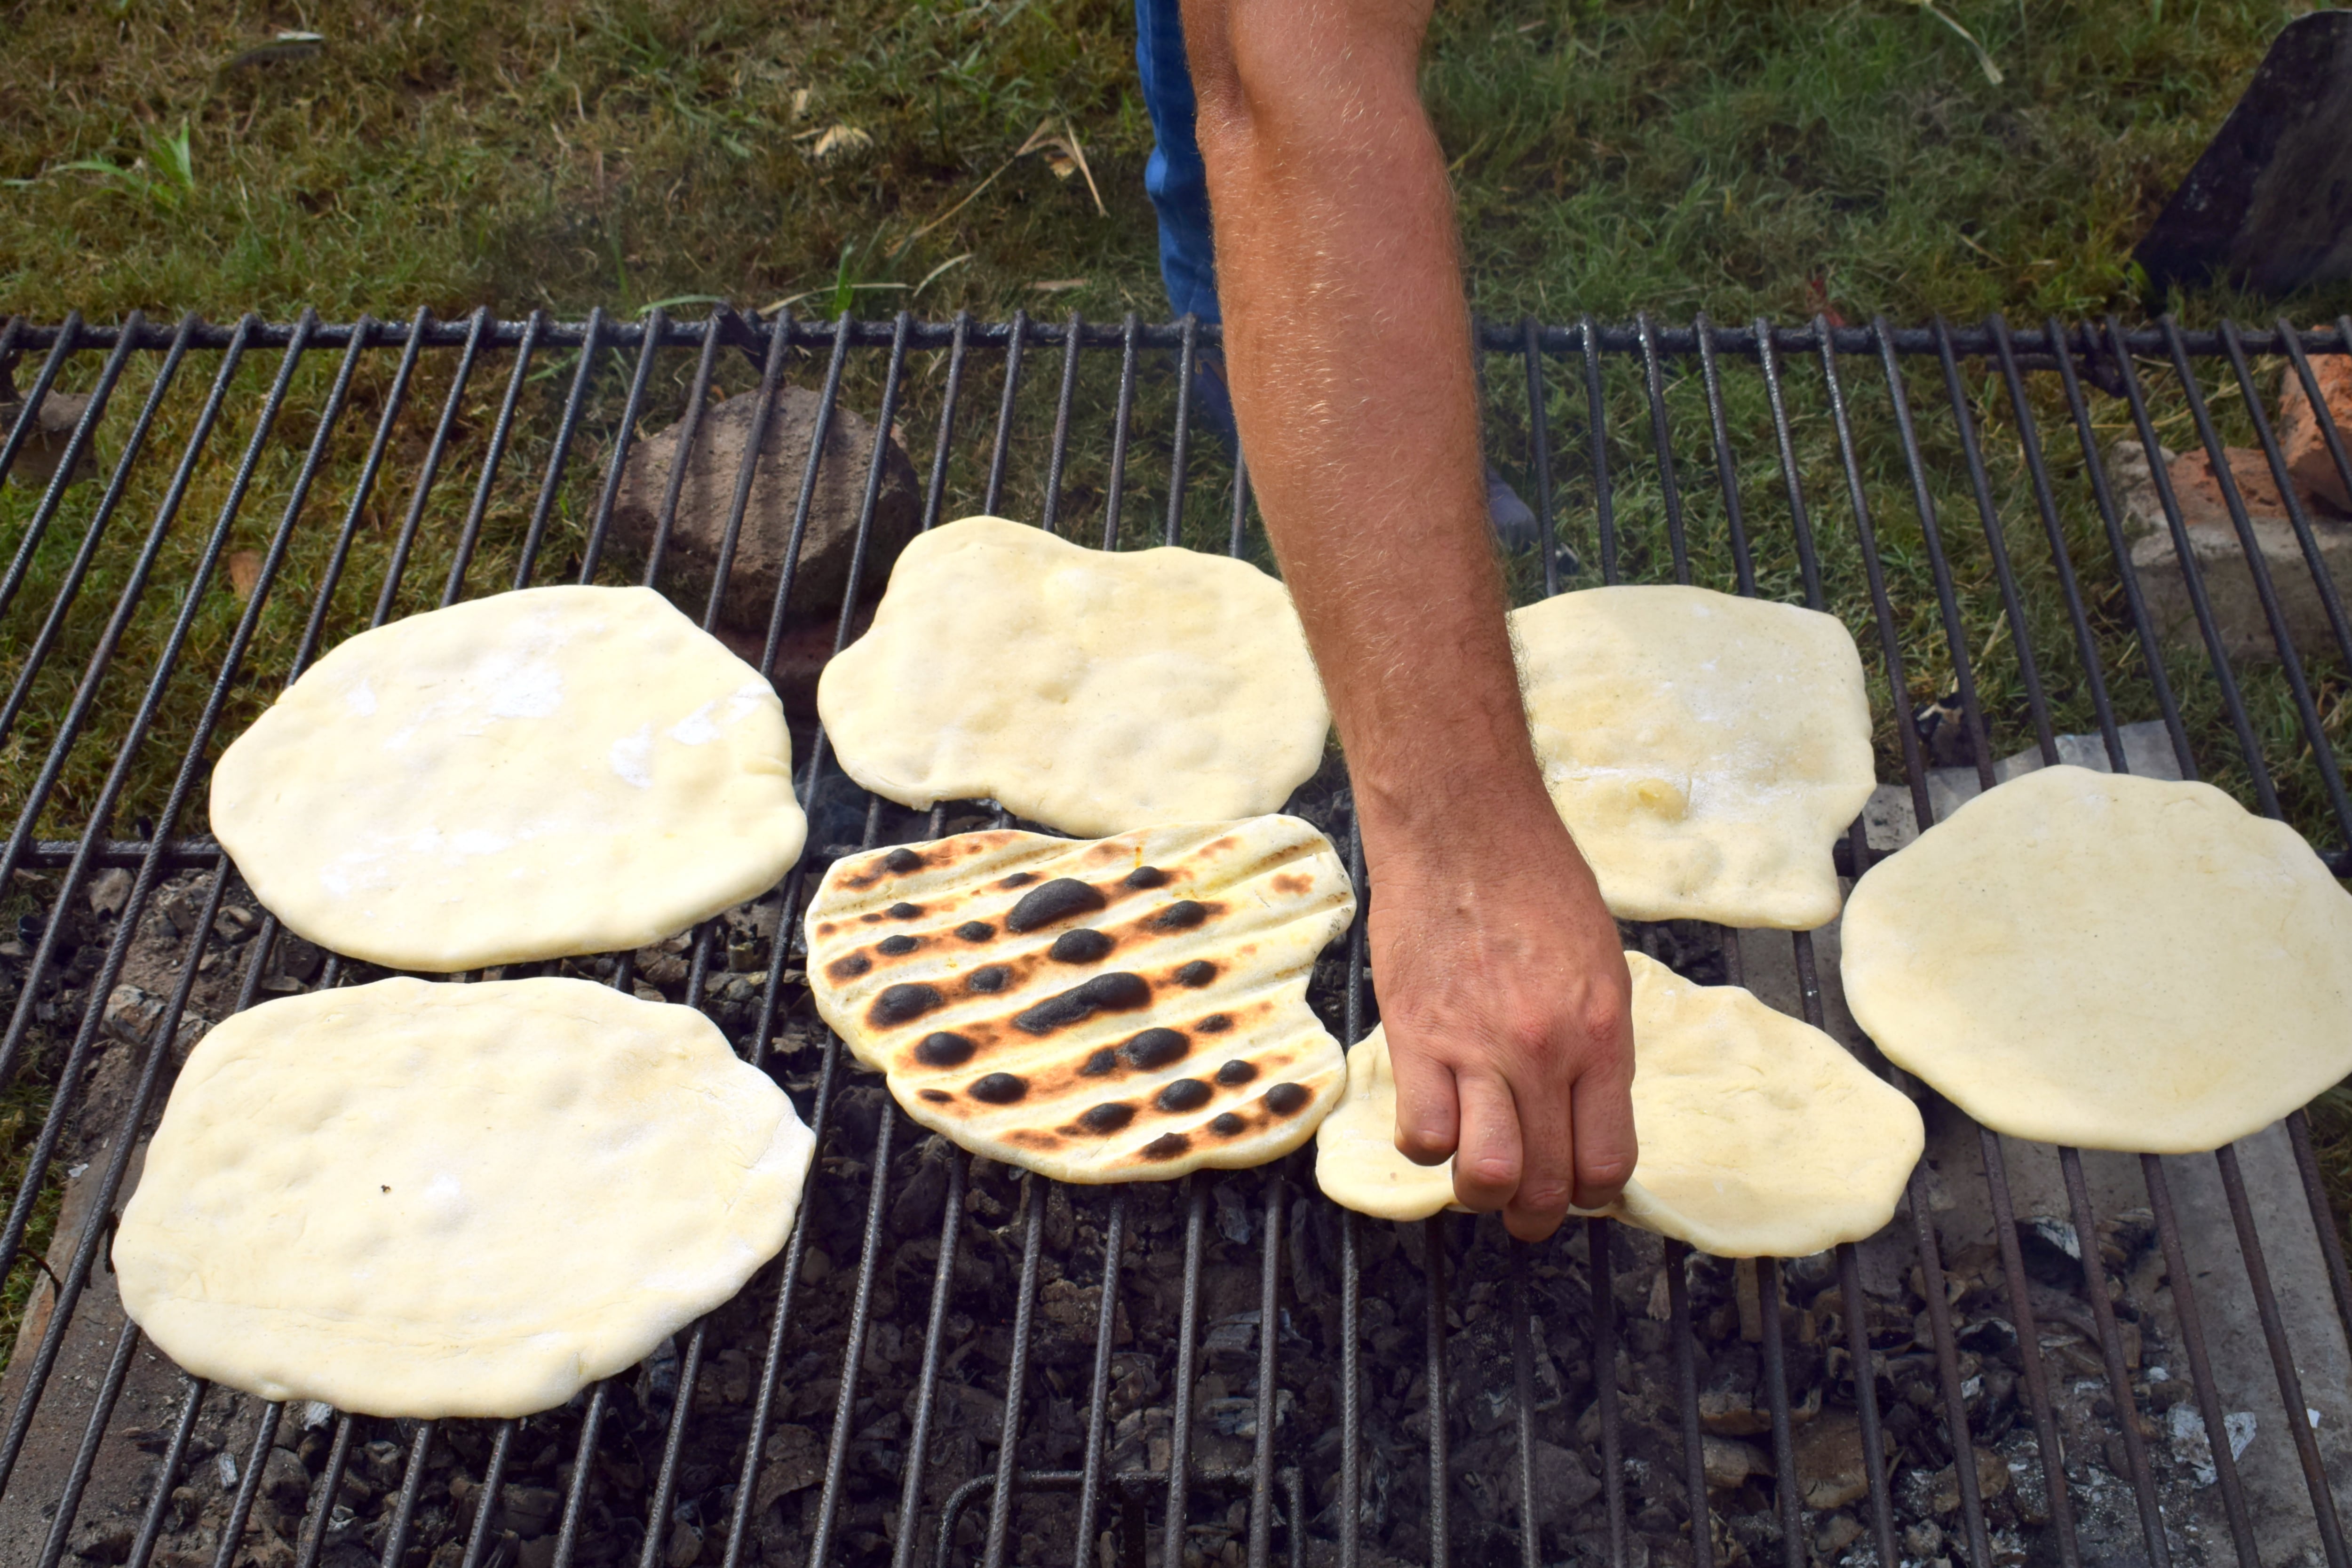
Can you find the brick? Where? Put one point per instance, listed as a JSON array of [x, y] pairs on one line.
[[2308, 460]]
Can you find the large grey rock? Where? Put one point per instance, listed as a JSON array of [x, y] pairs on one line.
[[44, 443], [2220, 555], [708, 493]]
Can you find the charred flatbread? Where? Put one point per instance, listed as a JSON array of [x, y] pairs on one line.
[[1121, 1009]]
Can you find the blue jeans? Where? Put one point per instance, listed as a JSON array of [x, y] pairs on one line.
[[1174, 177]]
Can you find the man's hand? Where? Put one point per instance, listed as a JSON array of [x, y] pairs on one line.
[[1348, 348], [1504, 992]]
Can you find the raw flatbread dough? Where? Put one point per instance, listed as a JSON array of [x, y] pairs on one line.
[[1129, 1009], [429, 1200], [534, 774], [1092, 691], [1759, 1134], [2107, 962], [1706, 751], [1355, 1159]]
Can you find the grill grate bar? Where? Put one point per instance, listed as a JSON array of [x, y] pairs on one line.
[[2298, 516], [1002, 454], [101, 660], [1676, 1267], [494, 1475], [1662, 444], [1788, 1493], [2201, 1365], [999, 1501], [436, 452], [470, 534], [1269, 1335], [689, 427], [567, 427], [2307, 1446], [2031, 1368], [1099, 1403], [910, 1495], [853, 1353], [1119, 424], [1179, 1437], [61, 346], [330, 1483], [2314, 732], [75, 445], [2323, 1222]]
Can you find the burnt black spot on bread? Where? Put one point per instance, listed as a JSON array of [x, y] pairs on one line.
[[1215, 1023], [894, 946], [849, 968], [1118, 992], [1167, 1146], [1235, 1072], [1108, 1117], [1185, 1094], [1080, 947], [987, 977], [936, 1096], [1062, 898], [999, 1088], [1182, 915], [1197, 973], [944, 1051], [1103, 1062], [902, 1004], [976, 931], [905, 911], [1227, 1124], [1155, 1048], [1286, 1098], [1018, 879], [902, 861], [1145, 877]]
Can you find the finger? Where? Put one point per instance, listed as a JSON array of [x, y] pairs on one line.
[[1548, 1161], [1427, 1119], [1603, 1113], [1486, 1163]]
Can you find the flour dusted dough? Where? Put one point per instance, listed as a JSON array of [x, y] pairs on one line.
[[2107, 962], [429, 1200], [552, 771], [1092, 691], [1705, 750], [1759, 1135], [1129, 1009]]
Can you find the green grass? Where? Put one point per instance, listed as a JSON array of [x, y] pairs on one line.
[[1779, 156]]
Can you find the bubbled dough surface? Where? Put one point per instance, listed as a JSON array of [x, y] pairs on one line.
[[538, 773], [1759, 1135], [429, 1200], [1092, 691], [1706, 751], [2105, 962]]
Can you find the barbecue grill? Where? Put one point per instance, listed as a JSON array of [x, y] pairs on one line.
[[954, 1362]]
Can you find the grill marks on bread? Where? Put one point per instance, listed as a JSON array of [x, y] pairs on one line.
[[1130, 1008]]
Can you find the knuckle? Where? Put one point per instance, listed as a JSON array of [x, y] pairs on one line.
[[1543, 1196], [1609, 1170]]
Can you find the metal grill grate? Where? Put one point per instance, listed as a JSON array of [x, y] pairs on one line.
[[1745, 443]]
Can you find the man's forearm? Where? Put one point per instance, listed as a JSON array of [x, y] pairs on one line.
[[1502, 987], [1348, 348]]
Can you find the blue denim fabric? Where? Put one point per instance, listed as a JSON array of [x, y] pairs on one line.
[[1178, 185]]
